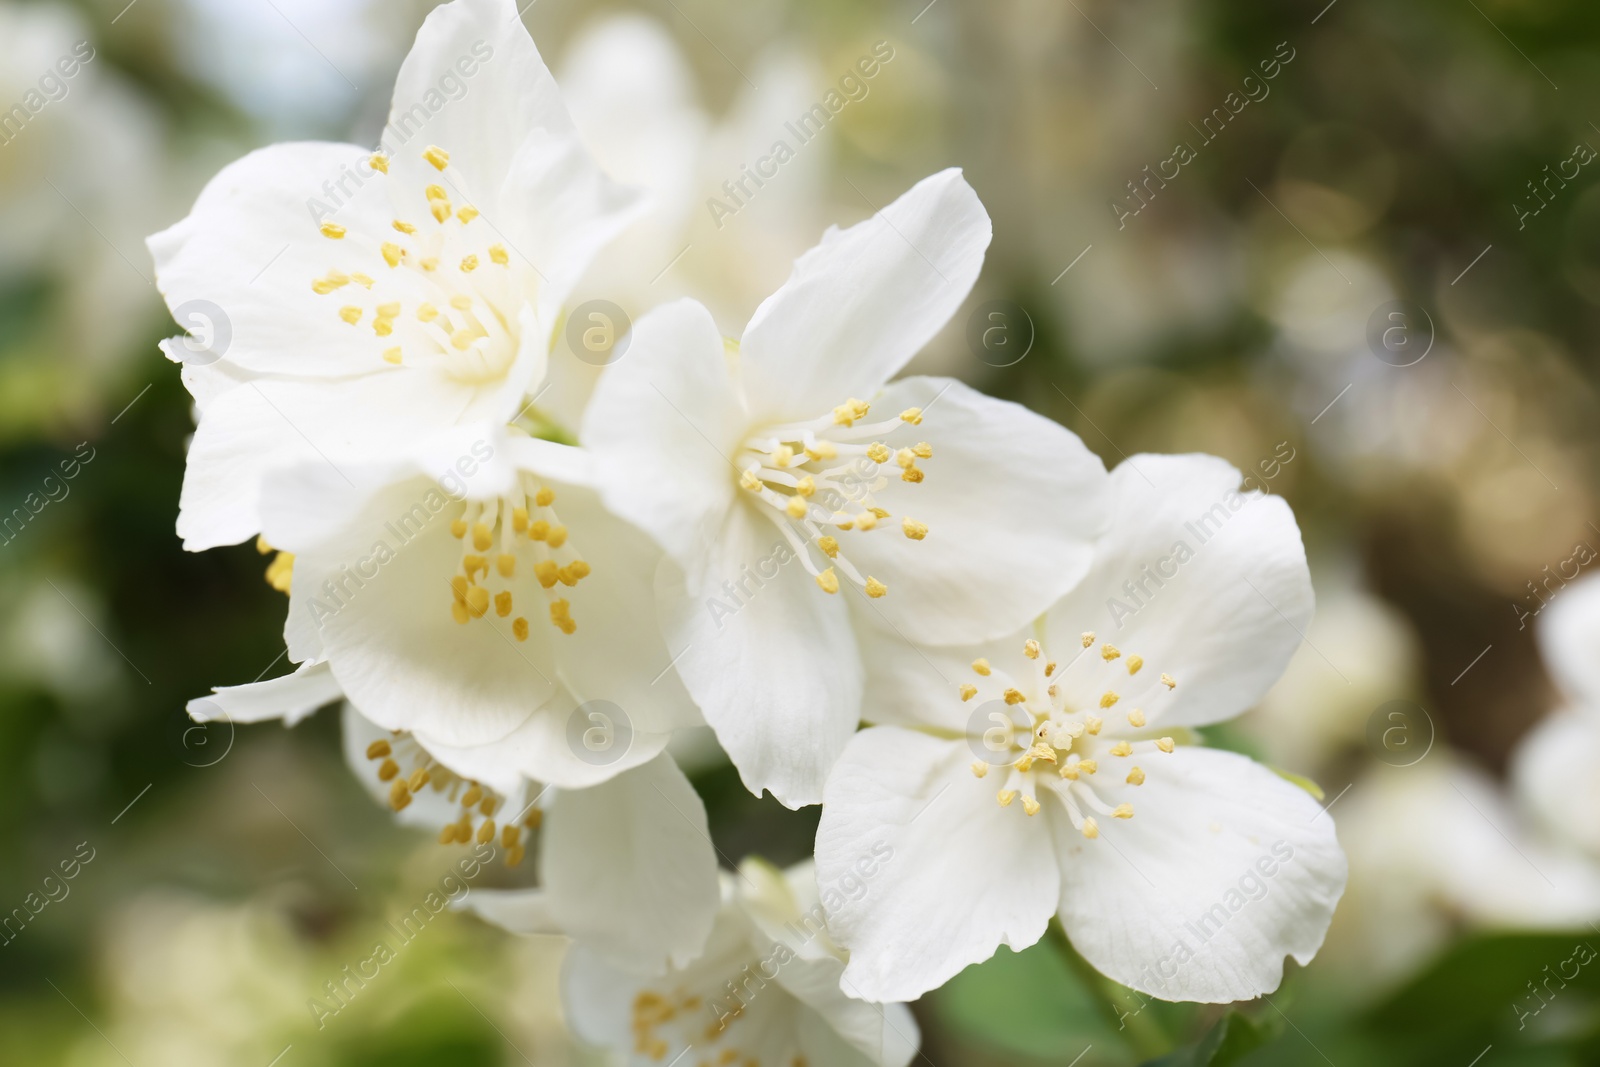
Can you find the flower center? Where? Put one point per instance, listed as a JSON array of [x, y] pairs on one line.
[[818, 479], [663, 1020], [474, 799], [532, 543], [1043, 744], [433, 291]]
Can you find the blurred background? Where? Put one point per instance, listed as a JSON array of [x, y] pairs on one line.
[[1352, 247]]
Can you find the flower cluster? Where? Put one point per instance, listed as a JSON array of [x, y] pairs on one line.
[[773, 536]]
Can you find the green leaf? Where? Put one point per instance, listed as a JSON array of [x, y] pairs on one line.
[[1227, 1043], [1025, 1003]]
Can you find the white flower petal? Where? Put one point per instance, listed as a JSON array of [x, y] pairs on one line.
[[1569, 639], [1553, 772], [630, 868], [1224, 869], [291, 698], [863, 302], [962, 876], [520, 911], [662, 423], [769, 658], [1012, 503], [429, 808], [842, 1029], [1226, 592]]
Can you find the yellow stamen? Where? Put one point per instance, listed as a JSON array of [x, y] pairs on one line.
[[1090, 828], [968, 692], [392, 355], [979, 768], [333, 231], [497, 253], [1030, 648], [1165, 744], [1134, 663], [1166, 680], [981, 666], [1122, 748], [828, 581], [1088, 638], [437, 156], [1136, 777], [1136, 718], [1005, 797], [1109, 652], [1122, 811], [1108, 698], [914, 529], [912, 415], [404, 227], [378, 749], [1030, 805]]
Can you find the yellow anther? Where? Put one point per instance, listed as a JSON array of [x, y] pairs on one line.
[[867, 520], [1167, 680], [1024, 763], [912, 475], [404, 227], [333, 231], [447, 834], [387, 770], [363, 280], [1030, 648], [467, 214], [979, 768], [545, 496], [280, 572], [847, 413], [968, 691], [875, 588], [509, 836], [458, 528], [1049, 669], [506, 564], [378, 749], [438, 157], [1014, 696], [905, 458], [1053, 692], [497, 253], [1108, 698], [1165, 744], [565, 576], [1090, 828], [556, 537], [389, 311], [1136, 777], [1134, 663], [515, 854], [578, 569], [392, 355], [1136, 718], [519, 628], [1088, 766], [546, 572], [1088, 638], [843, 521], [379, 162], [1091, 724], [418, 779], [538, 530], [783, 457], [748, 480], [472, 564], [399, 795], [383, 327], [324, 286], [981, 666], [482, 536], [1030, 805], [1122, 811], [914, 529], [1005, 797], [435, 192], [427, 313], [459, 612], [1043, 751], [1122, 748], [519, 519], [806, 486], [486, 832], [350, 314], [462, 340], [478, 601], [502, 603], [441, 210], [912, 415], [829, 546], [471, 797], [1109, 652], [828, 581], [561, 615], [488, 805], [461, 302], [822, 450], [796, 507], [469, 264]]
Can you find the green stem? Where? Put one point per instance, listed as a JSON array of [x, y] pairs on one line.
[[1142, 1032]]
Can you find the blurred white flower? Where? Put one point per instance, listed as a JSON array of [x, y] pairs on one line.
[[740, 458], [1184, 872], [1436, 845], [354, 301], [766, 990], [1553, 769]]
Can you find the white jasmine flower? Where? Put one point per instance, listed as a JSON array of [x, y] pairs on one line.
[[470, 592], [797, 492], [765, 992], [359, 299], [1553, 769], [625, 866], [1053, 772]]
